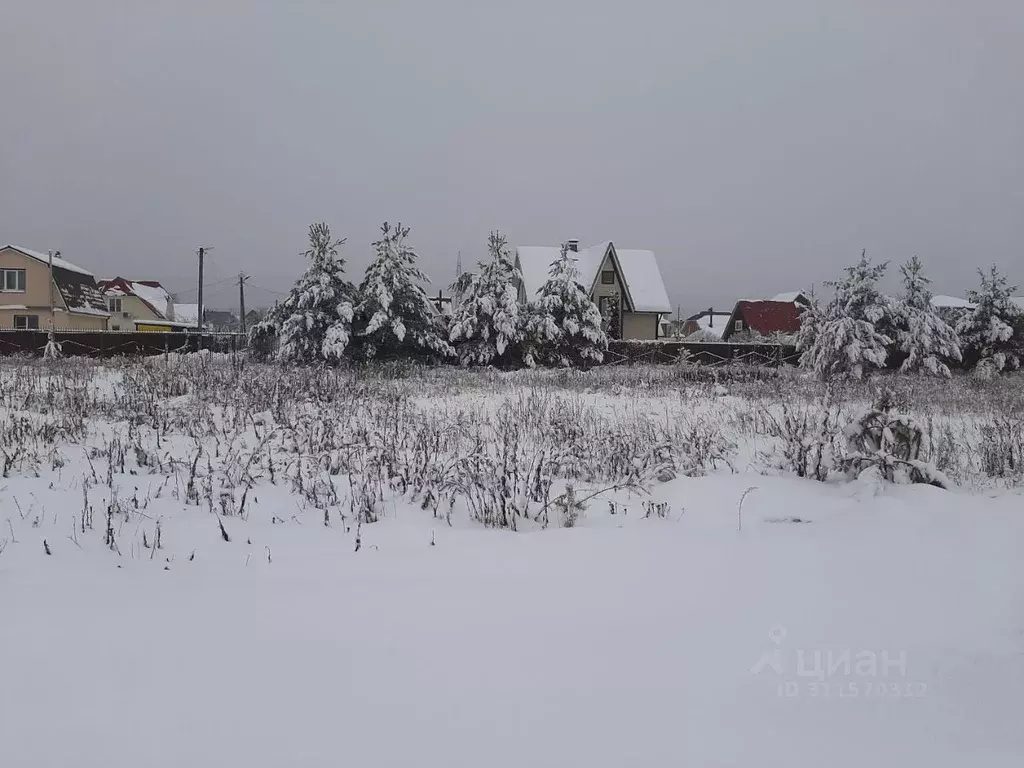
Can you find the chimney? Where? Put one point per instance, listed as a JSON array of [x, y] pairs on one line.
[[574, 245], [711, 317]]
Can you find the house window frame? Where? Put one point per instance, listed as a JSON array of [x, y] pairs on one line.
[[737, 326], [114, 303], [27, 322], [4, 272], [607, 277]]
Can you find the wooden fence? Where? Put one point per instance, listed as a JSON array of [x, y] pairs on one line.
[[115, 343], [134, 343], [700, 353]]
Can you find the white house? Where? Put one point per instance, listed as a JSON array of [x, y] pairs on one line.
[[626, 285]]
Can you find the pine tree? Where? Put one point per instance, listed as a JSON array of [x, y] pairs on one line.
[[563, 326], [314, 321], [486, 322], [921, 332], [810, 319], [991, 332], [394, 316], [846, 340]]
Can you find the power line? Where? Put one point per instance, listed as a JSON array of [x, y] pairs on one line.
[[205, 286], [268, 290]]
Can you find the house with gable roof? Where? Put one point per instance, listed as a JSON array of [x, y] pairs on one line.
[[30, 281], [136, 303], [626, 285], [753, 320]]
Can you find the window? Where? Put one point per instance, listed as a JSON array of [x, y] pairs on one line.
[[738, 326], [114, 305], [608, 277], [26, 322], [12, 280]]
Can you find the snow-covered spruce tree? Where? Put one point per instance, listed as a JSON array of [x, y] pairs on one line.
[[394, 316], [314, 321], [563, 325], [846, 340], [921, 333], [810, 319], [989, 332], [486, 323]]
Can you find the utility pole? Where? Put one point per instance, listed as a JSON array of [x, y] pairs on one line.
[[199, 321], [242, 277], [53, 323]]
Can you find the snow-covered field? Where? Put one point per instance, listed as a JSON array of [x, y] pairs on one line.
[[370, 606]]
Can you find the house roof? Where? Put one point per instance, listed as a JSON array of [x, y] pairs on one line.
[[150, 292], [797, 296], [77, 286], [765, 317], [58, 262], [220, 318], [712, 322], [951, 302], [80, 293], [641, 277]]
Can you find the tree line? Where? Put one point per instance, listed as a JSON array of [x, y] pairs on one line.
[[388, 316], [861, 329]]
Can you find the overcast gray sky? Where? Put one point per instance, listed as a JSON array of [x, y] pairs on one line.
[[755, 146]]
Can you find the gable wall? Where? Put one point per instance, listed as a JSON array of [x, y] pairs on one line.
[[600, 289], [37, 282]]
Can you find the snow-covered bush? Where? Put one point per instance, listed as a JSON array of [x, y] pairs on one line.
[[806, 437], [844, 339], [1002, 446], [889, 446], [394, 316], [314, 321], [993, 333], [563, 325], [922, 334], [486, 326]]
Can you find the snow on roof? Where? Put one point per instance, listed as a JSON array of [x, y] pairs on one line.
[[712, 323], [640, 274], [150, 292], [86, 310], [155, 295], [45, 258], [535, 263], [643, 281], [951, 302], [790, 296]]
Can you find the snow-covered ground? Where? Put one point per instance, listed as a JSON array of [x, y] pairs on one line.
[[699, 623]]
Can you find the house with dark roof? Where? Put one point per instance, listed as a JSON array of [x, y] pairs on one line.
[[132, 303], [30, 282], [626, 285], [220, 320], [764, 319]]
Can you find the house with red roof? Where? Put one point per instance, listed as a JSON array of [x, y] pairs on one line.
[[764, 319]]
